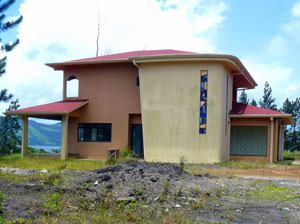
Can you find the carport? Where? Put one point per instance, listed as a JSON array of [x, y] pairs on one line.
[[60, 111]]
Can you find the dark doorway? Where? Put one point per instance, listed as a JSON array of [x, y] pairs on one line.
[[137, 145]]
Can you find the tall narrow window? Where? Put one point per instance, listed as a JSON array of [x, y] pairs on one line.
[[72, 87], [203, 102]]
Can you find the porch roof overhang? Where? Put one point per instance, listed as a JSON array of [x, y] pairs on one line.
[[240, 110], [53, 111]]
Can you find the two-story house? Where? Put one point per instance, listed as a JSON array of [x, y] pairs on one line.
[[164, 104]]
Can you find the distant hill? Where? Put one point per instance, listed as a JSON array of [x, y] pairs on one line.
[[43, 134]]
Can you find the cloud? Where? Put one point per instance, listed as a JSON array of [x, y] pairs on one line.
[[277, 46], [60, 30], [293, 27], [296, 9], [278, 76]]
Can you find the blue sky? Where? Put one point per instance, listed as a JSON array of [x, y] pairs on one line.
[[264, 34]]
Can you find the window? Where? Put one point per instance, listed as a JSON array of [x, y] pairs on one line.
[[203, 102], [88, 132], [72, 87]]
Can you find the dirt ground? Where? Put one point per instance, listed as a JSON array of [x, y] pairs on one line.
[[268, 171], [140, 192]]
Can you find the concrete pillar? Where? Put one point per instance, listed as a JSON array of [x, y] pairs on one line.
[[24, 136], [64, 140], [228, 136], [272, 140]]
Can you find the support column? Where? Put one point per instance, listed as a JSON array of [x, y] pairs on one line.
[[64, 139], [272, 140], [24, 136], [228, 136]]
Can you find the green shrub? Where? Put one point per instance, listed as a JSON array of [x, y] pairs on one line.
[[182, 162], [54, 179], [110, 161], [52, 202], [126, 152], [2, 199], [36, 151]]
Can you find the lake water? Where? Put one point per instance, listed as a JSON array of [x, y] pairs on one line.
[[45, 147]]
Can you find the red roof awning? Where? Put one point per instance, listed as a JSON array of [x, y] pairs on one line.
[[245, 110], [57, 108]]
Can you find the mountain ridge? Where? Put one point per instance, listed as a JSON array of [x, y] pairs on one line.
[[42, 134]]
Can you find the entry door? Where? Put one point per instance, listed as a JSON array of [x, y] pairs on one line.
[[137, 140]]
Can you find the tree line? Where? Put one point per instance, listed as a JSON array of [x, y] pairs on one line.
[[291, 132]]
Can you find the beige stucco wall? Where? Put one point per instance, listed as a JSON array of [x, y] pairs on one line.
[[170, 100]]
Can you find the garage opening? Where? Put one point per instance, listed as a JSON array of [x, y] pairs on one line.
[[249, 141]]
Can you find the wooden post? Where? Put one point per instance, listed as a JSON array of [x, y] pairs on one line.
[[24, 136], [64, 140], [271, 140]]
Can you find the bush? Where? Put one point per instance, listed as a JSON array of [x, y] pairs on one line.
[[2, 199], [110, 161], [54, 179], [36, 151], [182, 162], [52, 202], [126, 152]]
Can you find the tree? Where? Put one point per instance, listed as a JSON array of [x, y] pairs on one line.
[[9, 127], [6, 47], [267, 101], [253, 102], [243, 97], [293, 108], [99, 27]]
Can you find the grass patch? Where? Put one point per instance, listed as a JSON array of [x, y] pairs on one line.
[[15, 161], [243, 164], [288, 155], [274, 193]]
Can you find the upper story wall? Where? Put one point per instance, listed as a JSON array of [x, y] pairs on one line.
[[170, 97], [111, 88]]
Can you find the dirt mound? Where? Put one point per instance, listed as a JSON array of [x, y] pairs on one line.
[[138, 180]]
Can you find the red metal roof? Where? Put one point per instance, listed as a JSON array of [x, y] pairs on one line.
[[62, 107], [127, 55], [245, 109]]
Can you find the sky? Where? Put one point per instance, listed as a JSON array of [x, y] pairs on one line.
[[263, 34]]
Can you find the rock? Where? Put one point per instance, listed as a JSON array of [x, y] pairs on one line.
[[286, 209], [96, 183], [177, 206], [296, 162], [156, 198], [126, 200], [105, 178], [153, 179], [44, 171]]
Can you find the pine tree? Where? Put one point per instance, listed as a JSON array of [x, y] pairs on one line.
[[267, 101], [6, 47], [253, 102], [293, 108], [9, 127], [243, 97]]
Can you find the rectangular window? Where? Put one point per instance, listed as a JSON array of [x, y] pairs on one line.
[[89, 132], [203, 102]]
